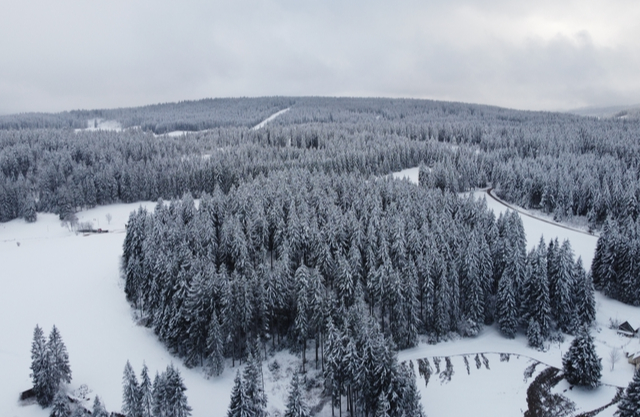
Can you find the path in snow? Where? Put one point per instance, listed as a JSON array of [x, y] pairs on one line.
[[270, 118], [491, 194]]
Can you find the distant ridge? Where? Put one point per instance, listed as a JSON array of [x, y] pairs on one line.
[[631, 111]]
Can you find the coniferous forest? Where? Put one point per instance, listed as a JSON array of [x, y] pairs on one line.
[[564, 165], [298, 240]]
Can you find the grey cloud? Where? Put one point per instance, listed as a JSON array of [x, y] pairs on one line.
[[100, 53]]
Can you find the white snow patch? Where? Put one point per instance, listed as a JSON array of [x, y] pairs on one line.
[[101, 124], [410, 174], [270, 118]]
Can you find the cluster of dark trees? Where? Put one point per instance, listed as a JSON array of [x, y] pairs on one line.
[[248, 397], [556, 293], [360, 365], [285, 259], [165, 397], [615, 268], [49, 365]]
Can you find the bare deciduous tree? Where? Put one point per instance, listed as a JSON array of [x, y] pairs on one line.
[[614, 356]]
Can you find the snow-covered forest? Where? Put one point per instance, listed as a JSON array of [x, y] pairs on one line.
[[289, 235]]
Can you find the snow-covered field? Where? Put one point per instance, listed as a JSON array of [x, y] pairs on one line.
[[50, 275]]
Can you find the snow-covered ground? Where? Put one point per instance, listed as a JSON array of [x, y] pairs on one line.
[[53, 276], [50, 275], [410, 174]]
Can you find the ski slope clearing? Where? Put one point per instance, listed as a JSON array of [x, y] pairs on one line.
[[101, 124], [52, 275], [270, 118]]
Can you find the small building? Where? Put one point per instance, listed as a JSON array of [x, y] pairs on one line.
[[634, 359], [625, 329]]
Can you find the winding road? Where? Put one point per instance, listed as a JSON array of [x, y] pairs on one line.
[[489, 192]]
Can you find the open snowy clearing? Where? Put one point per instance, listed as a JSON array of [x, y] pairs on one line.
[[101, 124], [53, 276]]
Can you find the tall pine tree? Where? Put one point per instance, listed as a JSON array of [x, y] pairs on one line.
[[41, 369], [130, 393], [240, 405], [59, 358]]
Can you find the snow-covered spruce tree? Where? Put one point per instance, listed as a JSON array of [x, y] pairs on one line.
[[133, 255], [29, 210], [296, 405], [383, 406], [553, 253], [562, 299], [41, 369], [584, 297], [146, 393], [442, 304], [98, 408], [534, 337], [159, 395], [240, 405], [581, 364], [506, 303], [214, 362], [536, 291], [473, 284], [176, 404], [407, 397], [333, 369], [629, 404], [253, 386], [58, 358], [301, 322], [130, 393], [61, 406], [196, 311]]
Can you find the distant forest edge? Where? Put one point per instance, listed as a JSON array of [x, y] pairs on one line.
[[160, 118], [563, 164]]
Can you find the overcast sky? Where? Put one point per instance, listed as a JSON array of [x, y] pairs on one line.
[[542, 54]]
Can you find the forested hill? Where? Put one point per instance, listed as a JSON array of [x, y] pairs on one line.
[[564, 164], [160, 118]]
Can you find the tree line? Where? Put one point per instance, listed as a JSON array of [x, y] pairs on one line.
[[562, 164]]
